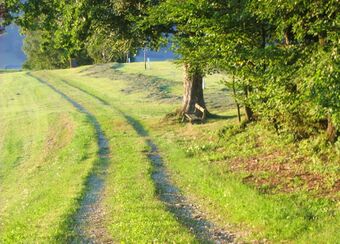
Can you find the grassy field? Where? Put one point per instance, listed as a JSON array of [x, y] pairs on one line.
[[46, 152], [252, 182], [129, 200]]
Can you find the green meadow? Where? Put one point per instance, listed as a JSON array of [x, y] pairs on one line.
[[49, 149]]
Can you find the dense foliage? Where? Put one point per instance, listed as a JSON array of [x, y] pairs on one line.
[[86, 31], [41, 55], [283, 55]]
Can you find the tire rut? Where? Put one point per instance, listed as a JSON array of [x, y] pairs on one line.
[[185, 212], [88, 220]]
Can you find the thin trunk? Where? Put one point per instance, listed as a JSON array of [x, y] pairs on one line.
[[144, 58], [70, 60], [238, 112], [193, 90], [249, 112], [237, 104], [263, 45], [286, 38]]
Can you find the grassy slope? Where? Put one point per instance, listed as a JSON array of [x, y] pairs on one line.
[[197, 157], [133, 212], [46, 151], [219, 192], [223, 194]]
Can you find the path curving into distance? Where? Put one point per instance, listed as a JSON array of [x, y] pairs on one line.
[[88, 220], [185, 212]]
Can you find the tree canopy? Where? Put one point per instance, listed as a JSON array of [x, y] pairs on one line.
[[283, 55]]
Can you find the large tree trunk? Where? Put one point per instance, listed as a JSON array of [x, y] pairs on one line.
[[193, 90]]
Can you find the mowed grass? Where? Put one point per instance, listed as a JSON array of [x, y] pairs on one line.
[[47, 150], [134, 214], [195, 155], [251, 213]]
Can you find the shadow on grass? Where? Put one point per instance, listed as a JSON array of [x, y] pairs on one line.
[[221, 117], [154, 87], [117, 65]]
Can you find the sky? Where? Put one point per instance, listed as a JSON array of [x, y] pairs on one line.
[[11, 55]]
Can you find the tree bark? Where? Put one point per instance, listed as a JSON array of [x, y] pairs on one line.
[[237, 104], [248, 110], [193, 90], [249, 113]]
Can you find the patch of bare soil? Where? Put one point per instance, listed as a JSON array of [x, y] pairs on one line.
[[53, 141], [270, 175]]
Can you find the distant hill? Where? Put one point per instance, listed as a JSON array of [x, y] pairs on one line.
[[11, 54]]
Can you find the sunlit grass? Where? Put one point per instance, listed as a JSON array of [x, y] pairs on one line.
[[195, 155], [46, 151], [220, 193], [134, 213]]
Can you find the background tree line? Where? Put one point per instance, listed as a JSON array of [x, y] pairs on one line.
[[283, 56]]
